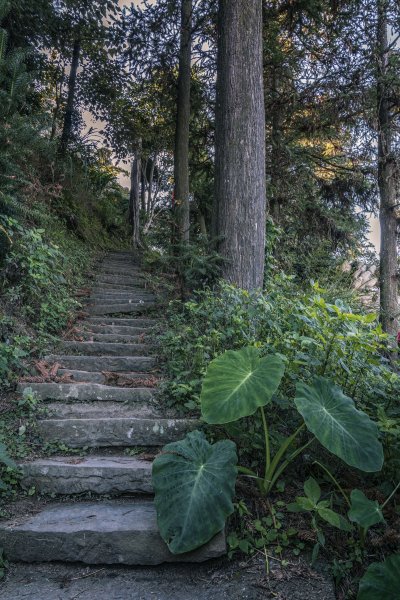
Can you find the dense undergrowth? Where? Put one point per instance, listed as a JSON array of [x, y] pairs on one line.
[[316, 335]]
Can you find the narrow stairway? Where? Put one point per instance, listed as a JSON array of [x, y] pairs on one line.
[[109, 516]]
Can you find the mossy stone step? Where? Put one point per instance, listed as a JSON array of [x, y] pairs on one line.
[[103, 363], [97, 377], [105, 348], [113, 532], [116, 308], [82, 425], [95, 474], [87, 392]]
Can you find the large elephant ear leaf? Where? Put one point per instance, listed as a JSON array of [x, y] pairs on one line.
[[194, 485], [334, 420], [237, 383], [381, 580], [363, 511]]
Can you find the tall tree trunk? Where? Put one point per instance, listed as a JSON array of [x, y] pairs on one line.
[[69, 110], [181, 152], [134, 198], [240, 196], [143, 186], [389, 307]]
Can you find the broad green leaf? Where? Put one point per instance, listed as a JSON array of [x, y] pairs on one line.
[[334, 519], [381, 580], [363, 511], [194, 484], [4, 458], [312, 490], [338, 425], [237, 383], [302, 504]]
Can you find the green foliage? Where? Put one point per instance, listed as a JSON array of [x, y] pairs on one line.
[[381, 580], [194, 485], [338, 425], [237, 383], [363, 511]]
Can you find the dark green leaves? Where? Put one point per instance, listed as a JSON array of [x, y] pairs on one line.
[[338, 425], [381, 580], [239, 382], [363, 511], [194, 484]]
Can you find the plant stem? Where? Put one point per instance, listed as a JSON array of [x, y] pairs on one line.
[[328, 353], [335, 481], [267, 444], [391, 495]]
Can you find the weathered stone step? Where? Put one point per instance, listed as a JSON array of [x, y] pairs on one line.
[[105, 348], [103, 363], [86, 428], [121, 321], [109, 309], [120, 286], [97, 377], [124, 330], [85, 392], [96, 474], [117, 299], [113, 532], [111, 337], [118, 278], [126, 296]]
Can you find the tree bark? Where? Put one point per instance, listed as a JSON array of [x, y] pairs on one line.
[[181, 152], [69, 110], [240, 194], [389, 307], [134, 200]]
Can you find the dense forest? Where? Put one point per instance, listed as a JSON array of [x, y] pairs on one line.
[[242, 161]]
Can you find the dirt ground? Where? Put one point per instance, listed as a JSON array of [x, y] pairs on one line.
[[215, 580]]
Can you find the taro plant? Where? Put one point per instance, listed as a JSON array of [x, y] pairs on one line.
[[236, 385], [381, 580]]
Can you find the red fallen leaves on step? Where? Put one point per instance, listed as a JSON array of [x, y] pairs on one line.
[[48, 374], [83, 292], [147, 456], [121, 380]]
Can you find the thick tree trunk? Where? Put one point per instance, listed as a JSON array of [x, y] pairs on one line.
[[181, 152], [134, 199], [389, 307], [143, 186], [69, 110], [240, 197]]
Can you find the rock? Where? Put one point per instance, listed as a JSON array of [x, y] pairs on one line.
[[105, 348], [115, 308], [97, 431], [88, 391], [103, 363], [123, 533], [96, 474]]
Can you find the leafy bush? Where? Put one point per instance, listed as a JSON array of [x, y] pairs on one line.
[[316, 337]]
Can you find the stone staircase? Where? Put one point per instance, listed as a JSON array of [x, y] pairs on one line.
[[104, 420]]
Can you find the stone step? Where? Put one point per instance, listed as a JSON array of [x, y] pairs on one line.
[[118, 299], [119, 287], [109, 425], [97, 377], [103, 363], [127, 295], [105, 348], [87, 392], [114, 532], [109, 309], [122, 278], [95, 474], [124, 330], [121, 321], [111, 337]]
